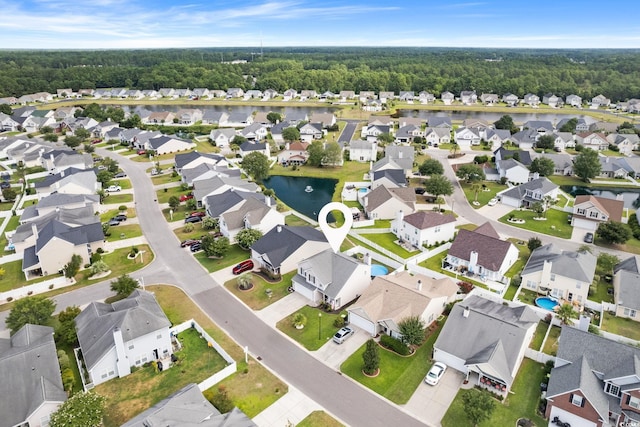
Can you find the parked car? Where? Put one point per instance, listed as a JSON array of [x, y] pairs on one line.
[[141, 152], [342, 335], [419, 190], [113, 188], [196, 247], [200, 214], [192, 219], [188, 242], [588, 238], [120, 175], [113, 223], [243, 266], [493, 202], [435, 373], [120, 217], [5, 184], [216, 234], [185, 197], [96, 141]]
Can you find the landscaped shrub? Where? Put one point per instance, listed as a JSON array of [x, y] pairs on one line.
[[68, 380], [63, 360], [635, 227], [122, 208], [465, 287], [339, 322], [394, 345]]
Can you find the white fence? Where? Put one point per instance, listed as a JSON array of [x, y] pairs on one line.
[[538, 356], [220, 375], [376, 256], [387, 253]]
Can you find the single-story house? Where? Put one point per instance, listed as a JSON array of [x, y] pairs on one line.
[[384, 203], [591, 211]]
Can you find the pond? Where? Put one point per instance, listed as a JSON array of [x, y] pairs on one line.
[[305, 195], [630, 196]]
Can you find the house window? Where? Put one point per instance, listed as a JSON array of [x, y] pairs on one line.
[[581, 211], [437, 230], [629, 312], [578, 285], [612, 389], [553, 277], [159, 336], [634, 402], [131, 347], [531, 284], [593, 214], [577, 400]]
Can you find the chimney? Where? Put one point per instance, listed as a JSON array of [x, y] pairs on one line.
[[399, 218], [419, 285], [473, 261], [465, 312], [267, 201], [34, 230], [278, 228]]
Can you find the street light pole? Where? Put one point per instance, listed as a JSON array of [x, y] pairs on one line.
[[319, 326]]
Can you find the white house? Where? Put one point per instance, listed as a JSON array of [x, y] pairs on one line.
[[525, 195], [424, 228], [250, 214], [363, 151], [513, 171]]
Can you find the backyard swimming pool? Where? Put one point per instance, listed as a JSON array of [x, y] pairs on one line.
[[378, 270], [547, 303]]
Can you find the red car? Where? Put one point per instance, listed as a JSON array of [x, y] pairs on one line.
[[96, 141], [141, 152], [188, 242], [243, 266], [196, 213], [186, 197]]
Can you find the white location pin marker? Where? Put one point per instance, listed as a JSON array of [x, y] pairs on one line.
[[335, 236]]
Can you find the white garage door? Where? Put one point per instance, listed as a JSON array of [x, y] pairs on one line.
[[583, 223], [303, 290], [450, 360], [568, 417], [362, 323]]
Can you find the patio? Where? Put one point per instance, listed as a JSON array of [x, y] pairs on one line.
[[493, 285], [485, 382]]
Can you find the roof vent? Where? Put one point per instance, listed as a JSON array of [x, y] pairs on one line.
[[465, 312], [419, 285]]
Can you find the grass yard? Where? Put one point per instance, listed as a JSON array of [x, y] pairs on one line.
[[113, 199], [316, 332], [621, 326], [179, 214], [528, 297], [233, 257], [511, 292], [13, 277], [252, 391], [538, 335], [319, 419], [523, 402], [13, 223], [6, 206], [555, 224], [121, 232], [551, 344], [165, 178], [130, 395], [387, 241], [130, 212], [598, 292], [399, 376], [378, 223], [257, 297], [294, 221], [632, 245], [483, 195], [166, 193]]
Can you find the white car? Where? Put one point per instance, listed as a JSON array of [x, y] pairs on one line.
[[342, 335], [435, 373], [493, 202], [113, 188]]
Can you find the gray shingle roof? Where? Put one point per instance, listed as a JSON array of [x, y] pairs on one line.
[[83, 234], [627, 289], [491, 250], [137, 315], [251, 210], [331, 269], [394, 175], [30, 373], [282, 241], [542, 185], [423, 220], [575, 265], [182, 159], [629, 264], [382, 194], [218, 204]]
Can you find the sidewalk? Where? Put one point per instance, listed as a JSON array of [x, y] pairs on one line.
[[282, 308], [126, 243], [290, 409]]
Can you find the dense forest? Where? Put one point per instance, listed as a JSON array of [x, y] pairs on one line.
[[614, 73]]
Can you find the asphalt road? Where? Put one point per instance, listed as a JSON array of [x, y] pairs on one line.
[[347, 132]]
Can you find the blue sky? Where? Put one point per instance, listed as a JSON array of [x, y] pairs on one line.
[[99, 24]]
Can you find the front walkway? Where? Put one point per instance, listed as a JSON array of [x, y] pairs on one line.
[[280, 309], [290, 409]]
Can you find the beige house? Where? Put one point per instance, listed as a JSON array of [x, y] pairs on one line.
[[250, 214], [590, 211], [392, 298], [626, 289], [563, 275], [384, 203]]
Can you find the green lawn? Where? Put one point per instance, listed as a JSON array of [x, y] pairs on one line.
[[522, 402], [387, 241], [130, 212], [317, 331], [598, 291], [319, 419], [166, 193], [258, 297], [13, 223], [399, 376], [295, 221], [511, 292], [113, 199], [252, 388], [528, 297], [6, 206], [621, 326], [233, 257], [165, 178], [378, 223], [555, 224], [143, 388], [126, 231], [483, 196], [435, 263], [538, 335], [551, 344], [14, 277], [632, 245], [179, 214]]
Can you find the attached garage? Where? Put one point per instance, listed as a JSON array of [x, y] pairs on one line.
[[358, 317], [568, 417], [450, 360], [584, 224], [304, 289]]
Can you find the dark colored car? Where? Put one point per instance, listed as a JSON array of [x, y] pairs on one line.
[[113, 222], [5, 184], [120, 217], [192, 219], [120, 175], [188, 242], [196, 247], [419, 190], [243, 266], [588, 238]]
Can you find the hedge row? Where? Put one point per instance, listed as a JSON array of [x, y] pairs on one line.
[[394, 345]]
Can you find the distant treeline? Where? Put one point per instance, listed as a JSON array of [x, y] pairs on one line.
[[614, 73]]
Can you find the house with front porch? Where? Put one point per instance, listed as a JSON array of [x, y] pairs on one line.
[[468, 97], [574, 101], [510, 99], [489, 98], [614, 167], [425, 97], [626, 142], [564, 275], [447, 98], [311, 131], [466, 137], [437, 136], [595, 140], [552, 100], [222, 137], [481, 253], [406, 134], [525, 195], [626, 288], [424, 228], [594, 382], [600, 101], [486, 341], [392, 298], [531, 99], [331, 278], [590, 211]]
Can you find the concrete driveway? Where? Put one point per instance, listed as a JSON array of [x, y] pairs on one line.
[[431, 402], [332, 354]]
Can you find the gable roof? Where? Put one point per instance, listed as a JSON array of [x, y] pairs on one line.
[[183, 159], [83, 234], [332, 269], [251, 210], [484, 241], [626, 285], [396, 176], [30, 373], [382, 194], [423, 220], [629, 264], [541, 185], [217, 204], [575, 265], [487, 333], [283, 240], [611, 207], [137, 315]]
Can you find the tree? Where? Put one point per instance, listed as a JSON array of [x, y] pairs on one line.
[[82, 133], [470, 173], [607, 262], [72, 141], [569, 126], [476, 187], [386, 138], [88, 148], [174, 202], [538, 208], [9, 194], [542, 165], [134, 121], [256, 165], [534, 243], [124, 285], [412, 330], [274, 117], [614, 232], [478, 406], [316, 153], [566, 313], [291, 134], [247, 237], [209, 223], [191, 204], [104, 177], [431, 167], [506, 122], [36, 310], [111, 165], [586, 165], [332, 154], [546, 142], [215, 247], [6, 109], [439, 185], [50, 137], [371, 358], [66, 330], [73, 266], [99, 267], [83, 409], [245, 281]]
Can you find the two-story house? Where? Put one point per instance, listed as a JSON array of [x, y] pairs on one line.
[[591, 211], [424, 228], [363, 151], [250, 214], [595, 140], [525, 195], [626, 292], [565, 275]]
